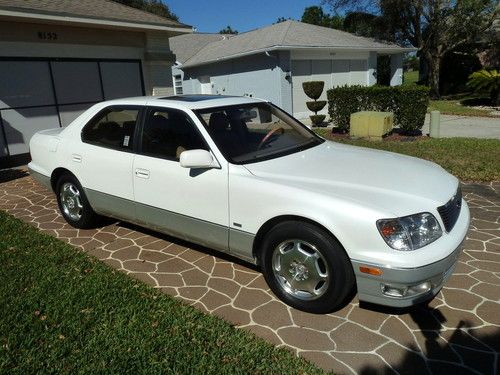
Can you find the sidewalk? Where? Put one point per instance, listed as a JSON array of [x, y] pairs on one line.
[[466, 126]]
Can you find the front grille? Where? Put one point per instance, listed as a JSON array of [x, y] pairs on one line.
[[451, 210]]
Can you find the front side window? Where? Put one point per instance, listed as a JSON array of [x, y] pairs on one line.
[[253, 132], [112, 128], [169, 132]]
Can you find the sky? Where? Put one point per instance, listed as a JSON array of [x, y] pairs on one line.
[[213, 15]]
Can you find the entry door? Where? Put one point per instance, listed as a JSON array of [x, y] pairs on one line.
[[187, 203]]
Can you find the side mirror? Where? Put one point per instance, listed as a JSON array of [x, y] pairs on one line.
[[198, 159]]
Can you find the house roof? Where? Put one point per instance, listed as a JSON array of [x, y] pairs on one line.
[[87, 11], [186, 46], [285, 35]]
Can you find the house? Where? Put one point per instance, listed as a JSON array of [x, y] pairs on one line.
[[272, 62], [57, 58]]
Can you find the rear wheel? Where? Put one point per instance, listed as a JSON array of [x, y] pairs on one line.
[[306, 267], [73, 203]]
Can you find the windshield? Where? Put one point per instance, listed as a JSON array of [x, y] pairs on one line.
[[253, 132]]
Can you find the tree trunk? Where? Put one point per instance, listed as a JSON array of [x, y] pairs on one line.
[[434, 63]]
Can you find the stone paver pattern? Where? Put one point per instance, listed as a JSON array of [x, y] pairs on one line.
[[458, 332]]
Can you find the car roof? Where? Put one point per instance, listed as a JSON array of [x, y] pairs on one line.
[[192, 102]]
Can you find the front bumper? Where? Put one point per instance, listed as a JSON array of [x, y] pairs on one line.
[[371, 288]]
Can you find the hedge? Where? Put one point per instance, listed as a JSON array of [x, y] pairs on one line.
[[408, 103]]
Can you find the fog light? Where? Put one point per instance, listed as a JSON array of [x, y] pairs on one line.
[[397, 291], [420, 288], [393, 291]]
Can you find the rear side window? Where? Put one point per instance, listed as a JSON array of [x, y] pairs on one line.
[[112, 128]]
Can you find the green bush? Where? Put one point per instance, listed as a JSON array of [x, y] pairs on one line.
[[486, 81], [316, 106], [408, 103], [313, 89], [317, 120]]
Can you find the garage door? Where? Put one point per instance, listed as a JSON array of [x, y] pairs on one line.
[[47, 93], [332, 72], [301, 72]]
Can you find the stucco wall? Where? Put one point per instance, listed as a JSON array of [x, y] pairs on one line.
[[259, 76]]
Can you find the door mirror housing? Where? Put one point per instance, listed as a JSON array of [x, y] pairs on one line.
[[198, 159]]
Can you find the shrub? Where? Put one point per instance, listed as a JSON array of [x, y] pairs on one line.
[[317, 120], [486, 81], [316, 105], [408, 103], [313, 89]]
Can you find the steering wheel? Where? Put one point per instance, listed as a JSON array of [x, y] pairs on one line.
[[268, 136]]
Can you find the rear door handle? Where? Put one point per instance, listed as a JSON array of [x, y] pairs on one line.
[[76, 158], [142, 173]]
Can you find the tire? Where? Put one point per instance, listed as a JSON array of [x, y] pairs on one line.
[[73, 203], [306, 267]]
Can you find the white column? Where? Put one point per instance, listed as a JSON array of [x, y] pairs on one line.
[[372, 69], [157, 63], [396, 69]]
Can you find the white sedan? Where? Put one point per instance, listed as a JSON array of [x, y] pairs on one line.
[[241, 176]]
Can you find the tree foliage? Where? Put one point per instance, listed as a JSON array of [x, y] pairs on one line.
[[152, 6], [486, 81], [282, 19], [228, 30], [435, 27], [315, 15], [367, 25]]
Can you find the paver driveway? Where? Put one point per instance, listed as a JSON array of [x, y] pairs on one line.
[[459, 332]]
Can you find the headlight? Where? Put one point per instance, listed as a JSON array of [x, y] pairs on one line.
[[410, 232]]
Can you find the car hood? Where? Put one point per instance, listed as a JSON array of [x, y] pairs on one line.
[[396, 183]]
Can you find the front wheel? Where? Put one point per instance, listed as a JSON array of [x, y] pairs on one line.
[[306, 267], [73, 203]]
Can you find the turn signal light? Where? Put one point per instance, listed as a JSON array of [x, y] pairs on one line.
[[371, 271]]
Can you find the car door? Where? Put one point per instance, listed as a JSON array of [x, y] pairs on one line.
[[187, 203], [104, 159]]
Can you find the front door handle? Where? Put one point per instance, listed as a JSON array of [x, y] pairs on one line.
[[142, 173]]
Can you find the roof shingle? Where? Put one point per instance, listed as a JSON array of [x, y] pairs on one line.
[[289, 34], [94, 9], [186, 46]]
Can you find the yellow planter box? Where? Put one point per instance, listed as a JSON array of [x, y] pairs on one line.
[[371, 124]]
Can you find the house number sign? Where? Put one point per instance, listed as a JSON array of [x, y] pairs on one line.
[[44, 35]]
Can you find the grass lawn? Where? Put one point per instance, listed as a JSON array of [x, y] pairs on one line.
[[469, 159], [66, 312], [410, 78], [448, 106], [453, 107]]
